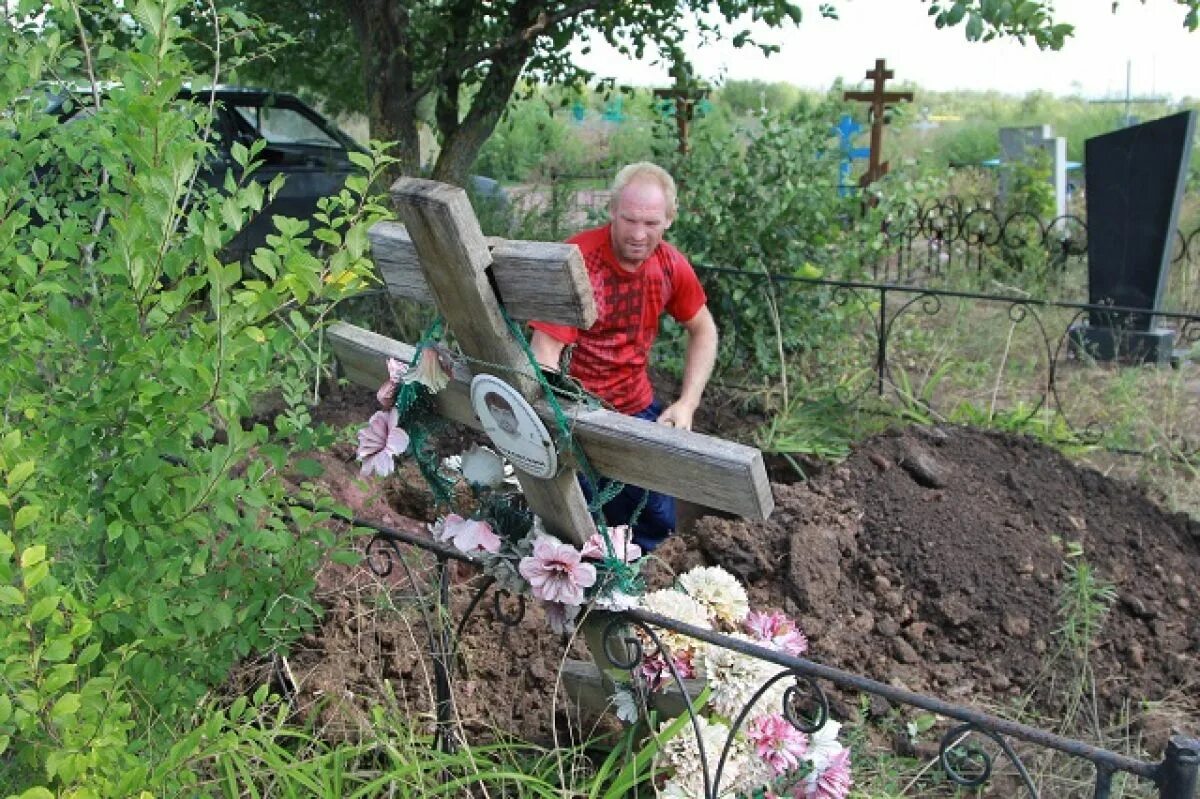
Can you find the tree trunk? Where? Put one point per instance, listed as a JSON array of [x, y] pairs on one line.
[[382, 28], [461, 141]]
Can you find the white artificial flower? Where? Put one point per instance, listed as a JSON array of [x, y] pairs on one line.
[[625, 705], [678, 606], [682, 754], [734, 679], [719, 591], [823, 745], [616, 601]]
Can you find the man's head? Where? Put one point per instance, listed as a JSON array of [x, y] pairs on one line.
[[642, 208]]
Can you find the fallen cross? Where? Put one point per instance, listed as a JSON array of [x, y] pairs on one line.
[[440, 256]]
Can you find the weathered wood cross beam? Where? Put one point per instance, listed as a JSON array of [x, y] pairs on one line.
[[440, 256], [879, 101]]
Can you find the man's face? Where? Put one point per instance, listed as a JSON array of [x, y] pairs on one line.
[[639, 220]]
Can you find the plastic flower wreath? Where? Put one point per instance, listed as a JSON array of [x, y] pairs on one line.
[[510, 543], [768, 755]]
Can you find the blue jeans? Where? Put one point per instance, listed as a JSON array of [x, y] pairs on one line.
[[657, 518]]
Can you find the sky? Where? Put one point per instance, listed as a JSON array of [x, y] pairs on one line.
[[1147, 40]]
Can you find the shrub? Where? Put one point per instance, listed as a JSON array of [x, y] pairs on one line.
[[144, 543]]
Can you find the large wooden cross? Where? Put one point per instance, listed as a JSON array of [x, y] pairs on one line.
[[879, 101], [440, 256]]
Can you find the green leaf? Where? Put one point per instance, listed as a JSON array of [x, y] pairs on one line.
[[11, 595], [20, 473], [43, 608], [57, 650], [66, 706], [26, 516], [32, 556], [310, 467]]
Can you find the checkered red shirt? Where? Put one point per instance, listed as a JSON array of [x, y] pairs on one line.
[[610, 357]]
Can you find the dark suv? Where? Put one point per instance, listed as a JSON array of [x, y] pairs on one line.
[[309, 150]]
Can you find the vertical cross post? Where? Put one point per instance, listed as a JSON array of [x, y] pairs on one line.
[[878, 101], [455, 259]]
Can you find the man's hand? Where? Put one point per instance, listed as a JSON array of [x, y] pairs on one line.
[[678, 415]]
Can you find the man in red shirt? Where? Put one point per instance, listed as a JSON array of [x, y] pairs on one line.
[[636, 276]]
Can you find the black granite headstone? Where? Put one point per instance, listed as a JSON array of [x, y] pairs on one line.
[[1135, 180]]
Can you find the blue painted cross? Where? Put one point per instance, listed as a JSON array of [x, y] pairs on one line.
[[846, 129]]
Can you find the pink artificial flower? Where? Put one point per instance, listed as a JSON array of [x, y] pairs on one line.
[[387, 392], [555, 573], [777, 631], [429, 371], [655, 671], [469, 535], [560, 617], [833, 782], [622, 545], [380, 442], [777, 743]]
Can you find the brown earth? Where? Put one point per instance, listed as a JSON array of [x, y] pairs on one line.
[[932, 559]]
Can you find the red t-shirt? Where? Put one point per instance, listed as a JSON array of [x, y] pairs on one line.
[[610, 357]]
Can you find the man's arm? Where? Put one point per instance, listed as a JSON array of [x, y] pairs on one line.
[[697, 368], [547, 349]]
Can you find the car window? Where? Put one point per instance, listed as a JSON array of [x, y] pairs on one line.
[[285, 126]]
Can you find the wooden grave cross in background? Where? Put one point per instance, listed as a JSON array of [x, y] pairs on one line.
[[879, 101], [440, 256]]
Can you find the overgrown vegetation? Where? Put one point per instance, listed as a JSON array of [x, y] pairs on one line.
[[145, 541]]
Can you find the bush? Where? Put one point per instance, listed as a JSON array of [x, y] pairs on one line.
[[144, 541]]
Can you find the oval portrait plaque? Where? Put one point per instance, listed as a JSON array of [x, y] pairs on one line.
[[514, 428]]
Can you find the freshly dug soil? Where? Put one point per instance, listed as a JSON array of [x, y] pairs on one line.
[[932, 559]]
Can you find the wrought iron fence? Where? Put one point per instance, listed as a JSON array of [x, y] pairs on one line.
[[1046, 341], [806, 704], [939, 237]]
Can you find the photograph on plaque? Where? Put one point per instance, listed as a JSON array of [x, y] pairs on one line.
[[513, 426]]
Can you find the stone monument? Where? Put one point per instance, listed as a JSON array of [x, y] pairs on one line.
[[1135, 181]]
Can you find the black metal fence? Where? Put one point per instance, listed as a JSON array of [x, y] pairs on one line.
[[1041, 359], [941, 237], [806, 705]]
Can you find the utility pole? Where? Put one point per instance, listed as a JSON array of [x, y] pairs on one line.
[[1129, 100]]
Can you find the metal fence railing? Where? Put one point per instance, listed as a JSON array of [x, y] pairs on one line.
[[967, 751]]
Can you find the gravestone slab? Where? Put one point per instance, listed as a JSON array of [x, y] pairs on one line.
[[1016, 145], [1135, 181]]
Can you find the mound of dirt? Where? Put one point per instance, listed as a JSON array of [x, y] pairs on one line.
[[939, 560]]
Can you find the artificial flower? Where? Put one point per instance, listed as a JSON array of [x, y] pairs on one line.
[[682, 754], [380, 442], [735, 678], [387, 392], [621, 537], [560, 617], [655, 670], [555, 573], [625, 705], [719, 591], [616, 601], [776, 742], [833, 782], [776, 630], [823, 745], [482, 467], [678, 606], [468, 535], [429, 371]]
